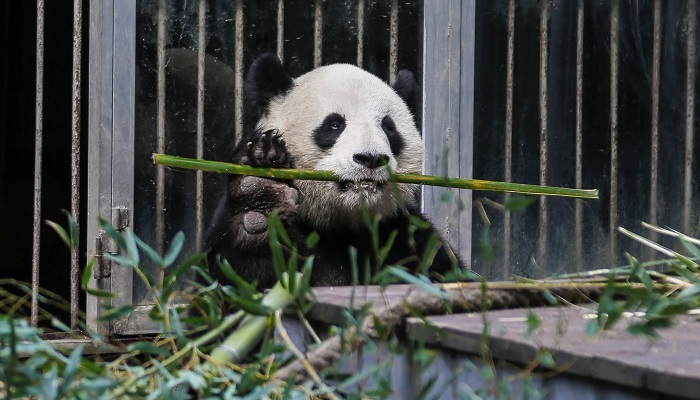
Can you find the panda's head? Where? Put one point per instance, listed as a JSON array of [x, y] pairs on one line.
[[342, 119]]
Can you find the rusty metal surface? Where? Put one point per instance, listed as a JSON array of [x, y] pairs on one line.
[[508, 157], [280, 29], [318, 34], [543, 220], [691, 57], [37, 158], [199, 190], [614, 100], [75, 156], [655, 80], [579, 134], [160, 126]]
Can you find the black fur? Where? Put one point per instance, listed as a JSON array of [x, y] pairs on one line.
[[249, 252], [329, 131], [266, 80], [405, 86], [238, 233], [395, 141]]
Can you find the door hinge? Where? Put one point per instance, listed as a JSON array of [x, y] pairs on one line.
[[106, 245]]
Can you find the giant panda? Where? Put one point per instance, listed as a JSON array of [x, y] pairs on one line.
[[342, 119]]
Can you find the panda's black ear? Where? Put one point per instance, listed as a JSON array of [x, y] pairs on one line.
[[266, 79], [405, 86]]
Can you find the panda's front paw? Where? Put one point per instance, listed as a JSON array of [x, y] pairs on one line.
[[259, 197], [266, 149]]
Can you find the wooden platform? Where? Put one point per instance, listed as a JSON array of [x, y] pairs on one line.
[[613, 364]]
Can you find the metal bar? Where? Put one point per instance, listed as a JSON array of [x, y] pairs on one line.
[[543, 217], [508, 136], [318, 33], [280, 29], [160, 127], [579, 134], [199, 191], [75, 156], [655, 74], [614, 61], [360, 32], [393, 40], [689, 116], [38, 139], [238, 68]]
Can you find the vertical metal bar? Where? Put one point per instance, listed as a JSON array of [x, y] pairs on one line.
[[689, 116], [544, 54], [579, 134], [280, 29], [508, 136], [360, 32], [160, 127], [318, 32], [75, 156], [199, 192], [393, 40], [655, 74], [38, 139], [238, 68], [614, 28]]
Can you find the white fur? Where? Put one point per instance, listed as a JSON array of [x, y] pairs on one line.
[[364, 100]]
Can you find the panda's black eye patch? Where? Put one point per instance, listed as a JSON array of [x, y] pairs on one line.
[[329, 131], [395, 141]]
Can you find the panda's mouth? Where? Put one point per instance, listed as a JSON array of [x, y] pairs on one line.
[[364, 185]]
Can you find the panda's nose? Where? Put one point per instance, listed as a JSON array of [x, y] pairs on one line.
[[370, 160]]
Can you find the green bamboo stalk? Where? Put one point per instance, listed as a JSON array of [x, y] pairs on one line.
[[289, 173], [228, 323], [251, 330]]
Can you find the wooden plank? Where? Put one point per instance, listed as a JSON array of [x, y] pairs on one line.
[[333, 301], [667, 365]]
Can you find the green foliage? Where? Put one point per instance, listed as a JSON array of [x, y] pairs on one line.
[[650, 299], [188, 357], [30, 367]]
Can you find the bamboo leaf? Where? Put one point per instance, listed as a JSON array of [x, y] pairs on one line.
[[690, 291], [72, 229], [150, 252], [115, 313], [148, 348], [461, 183], [412, 279], [100, 293], [175, 248], [87, 273], [131, 246], [61, 233]]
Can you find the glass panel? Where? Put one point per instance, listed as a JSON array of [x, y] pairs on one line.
[[618, 101], [234, 33]]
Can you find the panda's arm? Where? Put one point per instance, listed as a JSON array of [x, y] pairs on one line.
[[239, 230]]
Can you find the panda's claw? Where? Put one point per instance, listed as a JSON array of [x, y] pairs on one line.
[[265, 149]]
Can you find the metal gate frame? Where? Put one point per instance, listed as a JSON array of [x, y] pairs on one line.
[[448, 71], [110, 144]]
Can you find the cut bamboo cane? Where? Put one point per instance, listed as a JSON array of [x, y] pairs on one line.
[[303, 174]]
